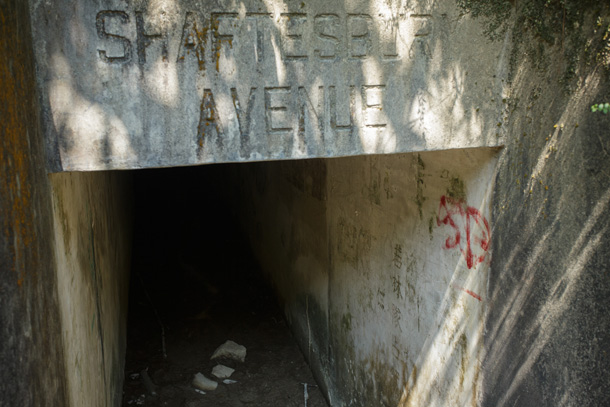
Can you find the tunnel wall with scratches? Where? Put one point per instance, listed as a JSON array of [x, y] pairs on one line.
[[381, 264], [92, 215]]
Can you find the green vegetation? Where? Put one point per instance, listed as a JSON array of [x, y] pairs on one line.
[[578, 29], [601, 107], [547, 19]]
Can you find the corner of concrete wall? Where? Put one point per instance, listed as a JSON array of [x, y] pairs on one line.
[[384, 308], [32, 371], [284, 208], [93, 238], [547, 335]]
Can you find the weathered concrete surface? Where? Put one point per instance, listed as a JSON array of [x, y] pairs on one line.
[[49, 355], [382, 265], [284, 208], [547, 331], [31, 358], [166, 83], [350, 244], [547, 339], [92, 228], [409, 266]]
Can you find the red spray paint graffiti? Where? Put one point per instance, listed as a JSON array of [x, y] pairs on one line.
[[467, 291], [468, 221]]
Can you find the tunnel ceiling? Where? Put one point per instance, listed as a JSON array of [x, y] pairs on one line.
[[169, 83]]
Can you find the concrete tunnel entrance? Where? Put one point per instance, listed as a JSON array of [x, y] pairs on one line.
[[195, 284], [378, 263]]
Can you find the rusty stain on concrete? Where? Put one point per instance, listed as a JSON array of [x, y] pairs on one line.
[[15, 182]]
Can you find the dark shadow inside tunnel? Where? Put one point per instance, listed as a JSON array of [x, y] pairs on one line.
[[194, 285]]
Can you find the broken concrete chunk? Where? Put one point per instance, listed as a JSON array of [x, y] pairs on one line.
[[230, 350], [150, 386], [222, 371], [203, 383]]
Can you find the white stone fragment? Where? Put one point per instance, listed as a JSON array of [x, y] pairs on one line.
[[222, 371], [203, 383], [230, 350], [229, 381]]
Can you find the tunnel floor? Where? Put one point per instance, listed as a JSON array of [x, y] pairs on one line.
[[193, 275]]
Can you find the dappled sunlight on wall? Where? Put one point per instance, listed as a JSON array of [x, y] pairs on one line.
[[191, 83], [381, 263], [410, 260], [544, 339]]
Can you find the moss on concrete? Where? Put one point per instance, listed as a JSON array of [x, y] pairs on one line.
[[579, 29]]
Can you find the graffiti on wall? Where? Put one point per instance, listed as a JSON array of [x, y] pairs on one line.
[[471, 233]]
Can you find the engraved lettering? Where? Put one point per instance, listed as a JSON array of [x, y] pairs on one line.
[[359, 27], [372, 105], [325, 36], [423, 24], [388, 33], [243, 118], [194, 39], [326, 27], [292, 35], [305, 107], [220, 23], [332, 96], [276, 110], [144, 40], [259, 18], [209, 122], [100, 23], [423, 28]]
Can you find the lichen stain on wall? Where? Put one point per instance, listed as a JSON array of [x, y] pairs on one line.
[[15, 183], [29, 328]]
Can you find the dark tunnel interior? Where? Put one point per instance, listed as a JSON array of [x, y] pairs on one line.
[[195, 284]]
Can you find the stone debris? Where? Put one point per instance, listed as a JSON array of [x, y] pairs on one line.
[[203, 383], [222, 371], [229, 381], [148, 383], [139, 401], [230, 350], [199, 391]]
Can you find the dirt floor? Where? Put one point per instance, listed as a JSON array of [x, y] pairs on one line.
[[199, 317], [202, 304]]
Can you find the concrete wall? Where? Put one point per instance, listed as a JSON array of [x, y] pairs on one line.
[[32, 371], [64, 254], [92, 231], [381, 263], [409, 268], [157, 83], [283, 208], [547, 335], [528, 328]]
